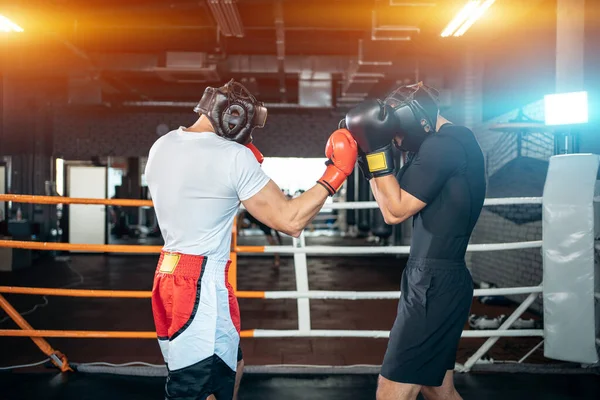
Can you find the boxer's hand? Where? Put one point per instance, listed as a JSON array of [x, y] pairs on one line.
[[374, 125], [341, 151], [363, 165], [259, 157]]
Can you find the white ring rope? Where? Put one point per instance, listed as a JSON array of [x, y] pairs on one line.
[[362, 205], [395, 295], [266, 333], [35, 364], [357, 250]]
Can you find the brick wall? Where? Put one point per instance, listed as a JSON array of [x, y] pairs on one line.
[[84, 133]]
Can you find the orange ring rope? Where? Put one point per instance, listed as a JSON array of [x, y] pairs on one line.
[[129, 294], [77, 334], [56, 357], [21, 198], [39, 333], [250, 295], [250, 249], [102, 248]]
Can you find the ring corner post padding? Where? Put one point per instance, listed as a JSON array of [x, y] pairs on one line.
[[568, 256]]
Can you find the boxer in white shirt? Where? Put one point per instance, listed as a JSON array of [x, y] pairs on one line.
[[197, 177]]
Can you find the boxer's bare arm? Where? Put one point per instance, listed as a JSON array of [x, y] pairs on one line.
[[290, 216], [396, 204]]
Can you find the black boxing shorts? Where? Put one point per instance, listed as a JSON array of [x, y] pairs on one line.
[[435, 301]]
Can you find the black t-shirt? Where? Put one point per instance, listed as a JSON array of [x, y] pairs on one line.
[[448, 173]]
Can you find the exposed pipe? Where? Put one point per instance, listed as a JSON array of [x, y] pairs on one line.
[[395, 28], [365, 81], [186, 104], [280, 44], [220, 18], [224, 19], [374, 63], [349, 99], [205, 27], [229, 19], [231, 13], [417, 70], [347, 95], [238, 18]]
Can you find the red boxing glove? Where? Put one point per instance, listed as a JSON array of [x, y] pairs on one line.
[[259, 157], [341, 150]]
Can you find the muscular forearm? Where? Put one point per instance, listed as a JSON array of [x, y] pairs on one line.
[[388, 195], [305, 207]]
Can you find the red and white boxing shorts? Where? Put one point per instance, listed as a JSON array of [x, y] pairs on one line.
[[197, 321]]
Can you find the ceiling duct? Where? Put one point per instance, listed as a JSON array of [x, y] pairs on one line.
[[234, 63], [227, 17], [188, 67], [264, 64], [190, 104], [252, 64]]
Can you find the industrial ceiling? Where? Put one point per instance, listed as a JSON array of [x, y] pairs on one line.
[[302, 53]]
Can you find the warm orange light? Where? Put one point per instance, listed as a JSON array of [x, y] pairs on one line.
[[466, 17], [6, 25]]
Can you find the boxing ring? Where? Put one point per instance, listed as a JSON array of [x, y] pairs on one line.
[[303, 294]]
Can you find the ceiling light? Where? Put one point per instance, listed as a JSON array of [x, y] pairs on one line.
[[6, 25], [466, 17], [474, 17], [460, 18]]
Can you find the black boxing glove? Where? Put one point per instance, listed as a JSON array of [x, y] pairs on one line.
[[374, 125], [363, 165]]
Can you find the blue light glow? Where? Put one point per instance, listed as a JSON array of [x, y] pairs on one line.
[[566, 108]]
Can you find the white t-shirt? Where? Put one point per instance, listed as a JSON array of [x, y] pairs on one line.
[[197, 181]]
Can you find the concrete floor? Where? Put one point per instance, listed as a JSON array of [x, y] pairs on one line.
[[45, 386]]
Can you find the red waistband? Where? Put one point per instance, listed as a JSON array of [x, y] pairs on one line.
[[180, 264]]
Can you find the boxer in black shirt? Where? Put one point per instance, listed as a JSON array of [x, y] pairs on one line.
[[442, 187]]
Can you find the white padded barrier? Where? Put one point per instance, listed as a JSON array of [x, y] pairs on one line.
[[570, 307]]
